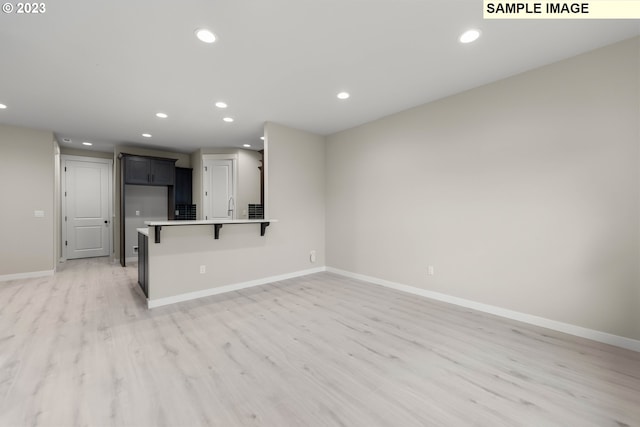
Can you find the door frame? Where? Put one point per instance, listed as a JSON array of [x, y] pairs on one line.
[[63, 204], [234, 162]]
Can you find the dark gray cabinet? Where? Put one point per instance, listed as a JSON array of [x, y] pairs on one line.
[[142, 170], [184, 186], [184, 207], [163, 172], [143, 263]]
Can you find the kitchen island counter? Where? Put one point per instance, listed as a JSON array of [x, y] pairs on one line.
[[194, 259]]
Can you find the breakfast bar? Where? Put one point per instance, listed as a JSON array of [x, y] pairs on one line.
[[181, 260], [217, 225]]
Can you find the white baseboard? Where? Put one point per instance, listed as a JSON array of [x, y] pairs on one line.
[[229, 288], [30, 275], [567, 328]]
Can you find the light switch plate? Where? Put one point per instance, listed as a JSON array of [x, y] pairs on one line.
[[38, 214]]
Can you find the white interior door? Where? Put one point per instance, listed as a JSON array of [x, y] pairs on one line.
[[86, 204], [219, 189]]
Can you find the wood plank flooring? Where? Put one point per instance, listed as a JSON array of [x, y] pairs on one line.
[[81, 349]]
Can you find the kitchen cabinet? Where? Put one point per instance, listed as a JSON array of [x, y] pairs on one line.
[[184, 209], [143, 170], [143, 262], [183, 186]]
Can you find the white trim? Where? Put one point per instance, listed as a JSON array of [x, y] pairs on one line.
[[30, 275], [229, 156], [57, 200], [566, 328], [265, 173], [229, 288]]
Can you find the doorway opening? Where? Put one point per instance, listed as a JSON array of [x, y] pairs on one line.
[[219, 186]]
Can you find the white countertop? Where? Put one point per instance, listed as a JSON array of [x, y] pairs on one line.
[[209, 222], [144, 231]]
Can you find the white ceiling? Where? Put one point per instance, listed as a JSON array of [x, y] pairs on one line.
[[98, 71]]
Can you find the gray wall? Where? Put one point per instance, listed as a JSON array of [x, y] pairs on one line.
[[196, 182], [296, 194], [523, 194], [151, 204], [71, 151], [26, 184], [248, 181]]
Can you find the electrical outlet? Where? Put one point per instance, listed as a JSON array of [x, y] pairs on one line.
[[203, 269], [312, 255], [431, 270], [137, 213]]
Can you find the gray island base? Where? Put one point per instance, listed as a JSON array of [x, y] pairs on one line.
[[183, 260]]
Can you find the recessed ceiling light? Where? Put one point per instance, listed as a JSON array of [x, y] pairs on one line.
[[262, 138], [469, 36], [343, 95], [161, 115], [87, 143], [221, 104], [66, 140], [146, 135], [246, 145], [228, 119], [205, 35], [2, 106]]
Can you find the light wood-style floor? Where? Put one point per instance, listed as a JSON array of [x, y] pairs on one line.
[[81, 349]]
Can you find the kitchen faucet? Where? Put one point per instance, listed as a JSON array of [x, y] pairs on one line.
[[231, 206]]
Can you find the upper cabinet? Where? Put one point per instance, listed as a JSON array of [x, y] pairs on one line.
[[144, 170], [163, 172]]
